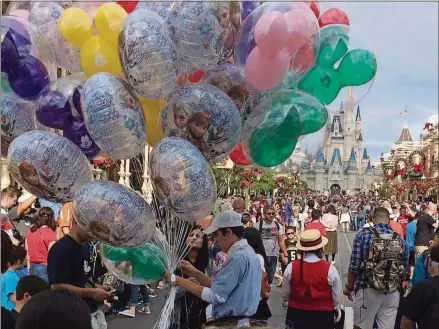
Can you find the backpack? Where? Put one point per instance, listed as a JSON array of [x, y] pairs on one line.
[[384, 269], [275, 221]]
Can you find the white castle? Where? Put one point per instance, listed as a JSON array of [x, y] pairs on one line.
[[344, 163]]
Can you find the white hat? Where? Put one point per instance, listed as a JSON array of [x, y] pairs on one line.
[[311, 240], [228, 218]]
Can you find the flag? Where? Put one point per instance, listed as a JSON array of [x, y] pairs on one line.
[[404, 113]]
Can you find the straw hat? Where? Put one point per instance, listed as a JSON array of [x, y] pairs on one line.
[[311, 240]]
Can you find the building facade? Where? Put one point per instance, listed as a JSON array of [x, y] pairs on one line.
[[344, 163]]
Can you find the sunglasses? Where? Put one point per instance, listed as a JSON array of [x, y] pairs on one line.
[[270, 213], [291, 233]]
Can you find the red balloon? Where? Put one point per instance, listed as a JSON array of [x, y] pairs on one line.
[[129, 6], [196, 76], [238, 156], [304, 59], [315, 7], [333, 16]]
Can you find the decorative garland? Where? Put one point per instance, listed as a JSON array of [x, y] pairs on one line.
[[247, 176], [415, 163], [399, 188], [422, 186], [400, 167], [103, 164]]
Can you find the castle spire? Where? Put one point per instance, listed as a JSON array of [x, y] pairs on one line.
[[369, 167], [352, 163], [404, 136], [358, 116], [365, 155]]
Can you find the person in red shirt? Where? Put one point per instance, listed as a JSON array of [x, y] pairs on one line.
[[39, 239], [312, 286], [404, 217], [315, 222]]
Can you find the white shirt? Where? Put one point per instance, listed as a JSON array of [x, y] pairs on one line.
[[333, 280], [261, 259]]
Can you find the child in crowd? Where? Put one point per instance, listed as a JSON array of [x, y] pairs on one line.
[[10, 278], [292, 251]]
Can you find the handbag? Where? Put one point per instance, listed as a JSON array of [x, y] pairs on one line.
[[263, 312]]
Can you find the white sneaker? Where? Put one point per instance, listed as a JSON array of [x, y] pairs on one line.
[[333, 262], [128, 313]]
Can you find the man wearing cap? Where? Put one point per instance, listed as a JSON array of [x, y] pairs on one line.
[[421, 306], [311, 285], [232, 290]]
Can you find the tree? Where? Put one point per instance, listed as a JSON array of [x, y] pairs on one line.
[[264, 184]]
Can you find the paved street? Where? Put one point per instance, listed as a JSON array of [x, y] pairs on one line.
[[147, 321]]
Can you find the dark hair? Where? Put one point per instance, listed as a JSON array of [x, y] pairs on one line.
[[202, 260], [267, 208], [18, 253], [427, 252], [30, 284], [331, 210], [238, 231], [245, 220], [311, 203], [316, 214], [6, 252], [254, 240], [291, 228], [44, 217], [381, 213], [49, 310]]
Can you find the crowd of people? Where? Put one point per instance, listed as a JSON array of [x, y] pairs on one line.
[[228, 273]]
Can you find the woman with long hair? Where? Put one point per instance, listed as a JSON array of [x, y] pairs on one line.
[[330, 222], [254, 239], [190, 311], [39, 239]]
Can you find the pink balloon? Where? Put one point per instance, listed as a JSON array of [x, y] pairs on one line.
[[262, 73], [302, 26], [271, 33], [303, 60], [21, 13]]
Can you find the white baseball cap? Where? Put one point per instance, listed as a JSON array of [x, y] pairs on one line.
[[228, 218]]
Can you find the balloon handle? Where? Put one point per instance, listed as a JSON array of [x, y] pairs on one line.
[[164, 319]]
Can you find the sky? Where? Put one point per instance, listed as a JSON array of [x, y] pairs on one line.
[[404, 38]]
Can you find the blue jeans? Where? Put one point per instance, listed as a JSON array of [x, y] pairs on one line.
[[361, 221], [39, 270], [271, 268], [354, 222], [135, 294]]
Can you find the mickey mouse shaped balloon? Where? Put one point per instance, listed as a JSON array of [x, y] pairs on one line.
[[98, 52], [26, 74], [357, 66]]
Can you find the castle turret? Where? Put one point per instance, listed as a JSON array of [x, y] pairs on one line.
[[319, 170], [368, 177], [364, 160], [352, 170], [404, 136]]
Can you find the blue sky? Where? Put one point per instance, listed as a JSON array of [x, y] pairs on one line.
[[404, 37]]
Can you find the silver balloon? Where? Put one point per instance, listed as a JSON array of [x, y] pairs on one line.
[[114, 214], [44, 16], [148, 55], [168, 10], [206, 117], [202, 30], [182, 179], [48, 165], [113, 116], [17, 117]]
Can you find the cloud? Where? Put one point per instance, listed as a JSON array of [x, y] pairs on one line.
[[404, 37]]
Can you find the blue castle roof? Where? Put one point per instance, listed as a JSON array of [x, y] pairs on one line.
[[360, 138], [336, 155], [352, 163], [365, 155], [358, 116], [336, 120], [320, 158], [369, 167]]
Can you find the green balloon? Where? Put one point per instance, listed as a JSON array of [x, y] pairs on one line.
[[313, 119], [149, 262], [116, 254], [275, 150], [356, 68], [5, 84]]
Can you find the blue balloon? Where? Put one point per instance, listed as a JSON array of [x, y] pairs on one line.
[[114, 214], [205, 116], [248, 7], [113, 116], [48, 165], [182, 179], [77, 133]]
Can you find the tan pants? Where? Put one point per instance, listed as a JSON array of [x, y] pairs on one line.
[[419, 250]]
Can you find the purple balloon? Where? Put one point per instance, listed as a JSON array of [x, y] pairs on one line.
[[248, 7], [29, 78], [78, 134], [53, 110], [76, 103], [9, 54], [18, 34]]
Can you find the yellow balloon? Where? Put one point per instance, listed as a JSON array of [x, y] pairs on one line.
[[108, 20], [152, 110], [98, 53], [75, 26]]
